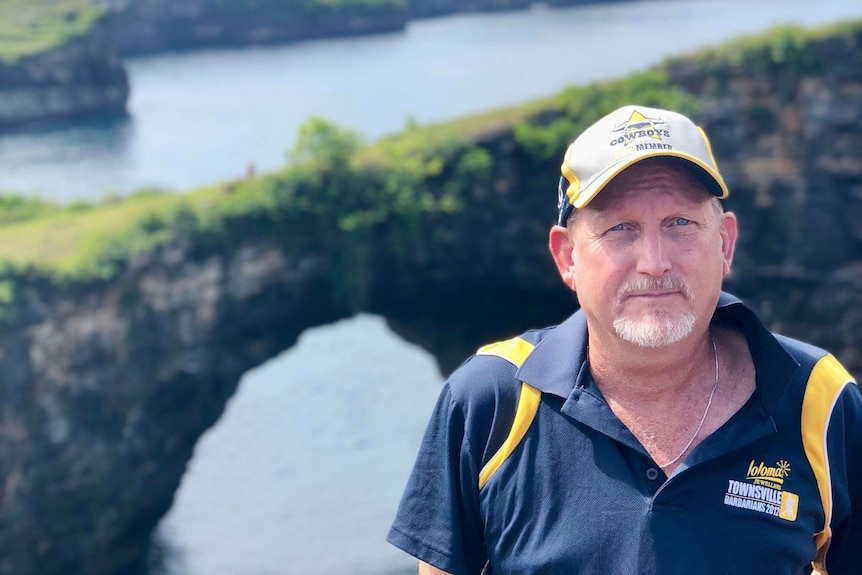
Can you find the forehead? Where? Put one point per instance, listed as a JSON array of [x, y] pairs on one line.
[[652, 178]]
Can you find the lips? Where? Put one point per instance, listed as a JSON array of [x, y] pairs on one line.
[[652, 295], [655, 287]]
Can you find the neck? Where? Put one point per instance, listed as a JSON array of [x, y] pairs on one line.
[[628, 373]]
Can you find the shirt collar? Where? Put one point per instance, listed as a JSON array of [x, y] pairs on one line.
[[553, 365]]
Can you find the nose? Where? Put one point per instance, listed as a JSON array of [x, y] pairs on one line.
[[653, 255]]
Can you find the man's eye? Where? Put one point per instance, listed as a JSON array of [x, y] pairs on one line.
[[618, 228], [682, 222]]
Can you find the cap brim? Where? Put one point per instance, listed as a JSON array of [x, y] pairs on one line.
[[713, 180]]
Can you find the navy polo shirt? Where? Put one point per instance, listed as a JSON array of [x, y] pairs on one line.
[[578, 493]]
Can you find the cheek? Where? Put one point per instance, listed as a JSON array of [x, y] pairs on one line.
[[705, 267], [597, 278]]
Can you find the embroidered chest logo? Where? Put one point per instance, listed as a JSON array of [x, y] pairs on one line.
[[763, 491]]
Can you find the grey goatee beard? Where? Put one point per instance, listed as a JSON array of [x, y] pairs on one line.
[[657, 327]]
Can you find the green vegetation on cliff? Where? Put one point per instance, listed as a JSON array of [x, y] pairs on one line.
[[577, 107], [781, 46], [338, 193], [30, 26]]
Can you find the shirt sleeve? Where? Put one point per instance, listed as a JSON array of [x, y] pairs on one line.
[[844, 556], [438, 520]]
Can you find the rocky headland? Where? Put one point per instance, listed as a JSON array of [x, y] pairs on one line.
[[111, 374], [81, 77]]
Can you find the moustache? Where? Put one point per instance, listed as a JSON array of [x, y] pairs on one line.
[[665, 283]]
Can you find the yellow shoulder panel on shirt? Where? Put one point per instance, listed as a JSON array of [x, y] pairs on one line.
[[515, 351], [528, 404], [825, 384]]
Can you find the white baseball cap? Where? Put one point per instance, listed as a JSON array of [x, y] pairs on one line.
[[623, 138]]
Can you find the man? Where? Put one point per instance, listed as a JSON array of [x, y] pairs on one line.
[[659, 430]]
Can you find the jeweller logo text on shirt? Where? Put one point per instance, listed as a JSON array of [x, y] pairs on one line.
[[762, 491]]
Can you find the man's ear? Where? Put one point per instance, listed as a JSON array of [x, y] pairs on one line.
[[728, 234], [561, 246]]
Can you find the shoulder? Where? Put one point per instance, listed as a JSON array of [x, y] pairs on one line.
[[785, 364], [485, 389], [805, 354], [821, 367], [830, 395], [492, 370]]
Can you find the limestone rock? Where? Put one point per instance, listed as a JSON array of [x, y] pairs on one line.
[[79, 78]]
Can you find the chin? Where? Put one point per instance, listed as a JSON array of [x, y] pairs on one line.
[[656, 330]]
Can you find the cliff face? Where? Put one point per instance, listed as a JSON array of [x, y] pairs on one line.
[[787, 137], [107, 385], [80, 78]]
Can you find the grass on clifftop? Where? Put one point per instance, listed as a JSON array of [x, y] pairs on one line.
[[337, 190], [72, 239], [30, 26], [782, 45]]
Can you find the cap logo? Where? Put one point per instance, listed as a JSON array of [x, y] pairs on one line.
[[639, 126]]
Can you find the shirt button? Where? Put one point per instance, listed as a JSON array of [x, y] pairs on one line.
[[652, 473]]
